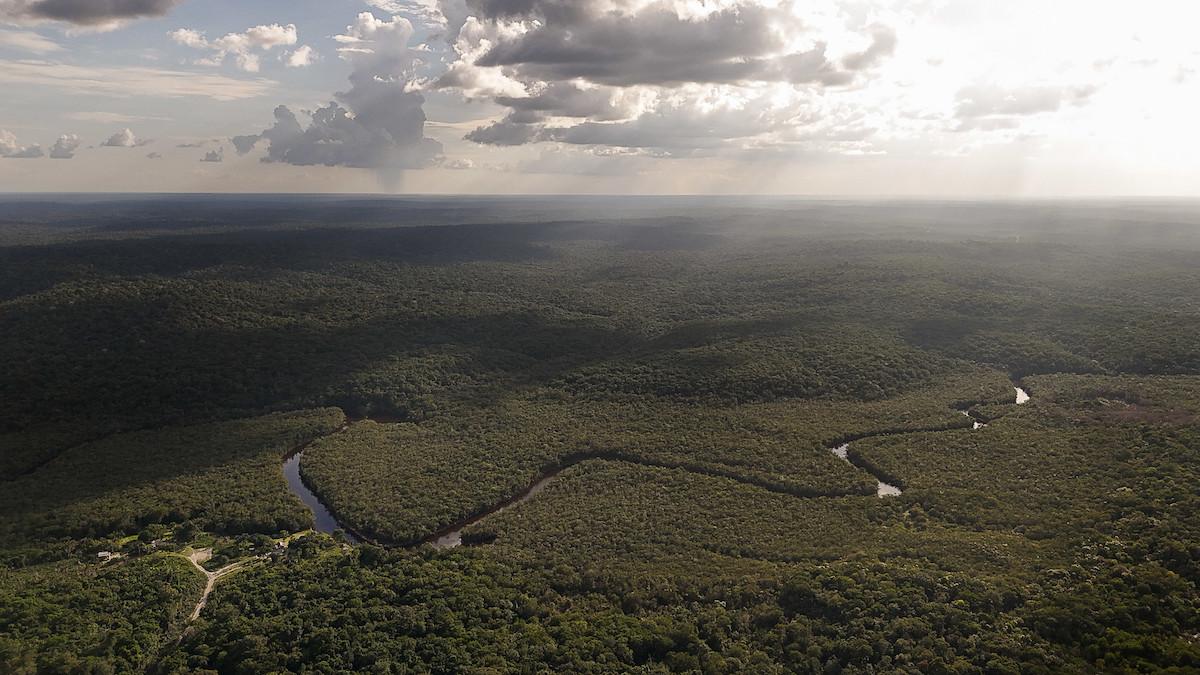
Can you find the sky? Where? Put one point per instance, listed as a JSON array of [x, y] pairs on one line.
[[930, 98]]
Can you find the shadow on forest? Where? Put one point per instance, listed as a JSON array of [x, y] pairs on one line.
[[171, 383], [170, 379], [170, 376], [28, 269]]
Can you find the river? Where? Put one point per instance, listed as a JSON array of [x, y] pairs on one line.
[[885, 489], [323, 520], [452, 536]]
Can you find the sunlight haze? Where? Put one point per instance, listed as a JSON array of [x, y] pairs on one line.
[[934, 98]]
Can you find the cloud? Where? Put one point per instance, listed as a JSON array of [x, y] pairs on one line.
[[244, 144], [154, 155], [659, 43], [125, 138], [991, 107], [30, 152], [458, 164], [27, 41], [214, 156], [110, 117], [65, 147], [508, 131], [568, 99], [573, 162], [427, 11], [370, 35], [9, 148], [189, 38], [883, 45], [84, 12], [301, 57], [627, 72], [242, 47], [378, 123], [130, 81], [698, 120]]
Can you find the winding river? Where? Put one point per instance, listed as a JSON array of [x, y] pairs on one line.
[[885, 489], [323, 520], [451, 537]]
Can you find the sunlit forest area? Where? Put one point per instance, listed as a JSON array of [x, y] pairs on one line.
[[669, 374]]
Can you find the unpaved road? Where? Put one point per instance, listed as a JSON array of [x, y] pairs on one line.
[[200, 556]]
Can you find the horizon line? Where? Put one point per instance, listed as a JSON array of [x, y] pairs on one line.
[[615, 195]]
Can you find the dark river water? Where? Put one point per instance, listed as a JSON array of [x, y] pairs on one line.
[[323, 519]]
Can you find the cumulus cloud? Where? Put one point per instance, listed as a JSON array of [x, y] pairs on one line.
[[458, 164], [125, 138], [243, 47], [10, 148], [656, 45], [377, 123], [627, 72], [428, 11], [214, 156], [301, 57], [65, 147], [95, 13], [625, 43]]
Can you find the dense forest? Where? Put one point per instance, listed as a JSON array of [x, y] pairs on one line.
[[671, 376]]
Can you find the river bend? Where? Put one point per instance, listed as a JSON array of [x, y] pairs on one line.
[[450, 537]]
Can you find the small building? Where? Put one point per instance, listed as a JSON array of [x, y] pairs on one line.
[[105, 555]]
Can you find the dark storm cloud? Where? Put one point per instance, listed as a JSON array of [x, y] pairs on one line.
[[85, 12], [505, 132], [553, 10], [244, 144], [565, 99], [656, 46], [618, 66]]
